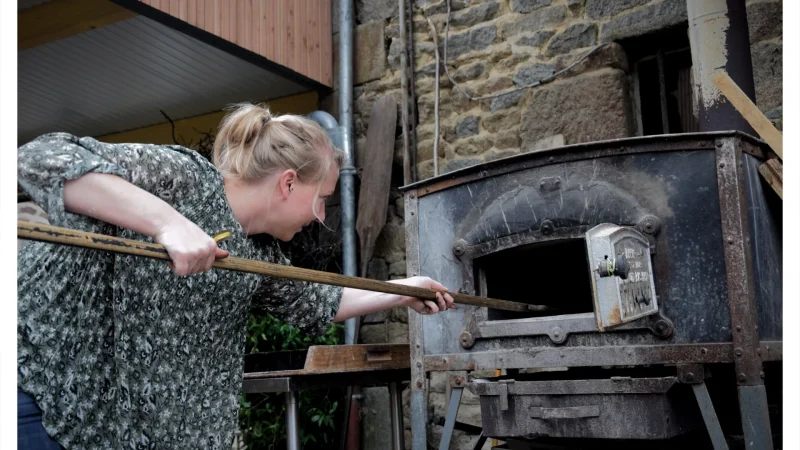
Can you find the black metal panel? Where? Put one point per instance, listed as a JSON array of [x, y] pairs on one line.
[[765, 217], [679, 188]]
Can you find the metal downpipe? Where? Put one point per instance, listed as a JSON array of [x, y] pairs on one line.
[[351, 430], [719, 40]]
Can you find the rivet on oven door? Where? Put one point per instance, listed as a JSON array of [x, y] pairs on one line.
[[459, 247], [547, 227], [649, 224]]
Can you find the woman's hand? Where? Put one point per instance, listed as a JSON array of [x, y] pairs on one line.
[[191, 249], [443, 299]]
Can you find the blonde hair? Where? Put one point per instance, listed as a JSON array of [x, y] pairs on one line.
[[252, 144]]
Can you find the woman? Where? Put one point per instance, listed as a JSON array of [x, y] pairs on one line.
[[125, 352]]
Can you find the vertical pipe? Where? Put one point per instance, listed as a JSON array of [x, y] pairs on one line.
[[407, 178], [719, 40], [396, 412], [350, 432], [292, 430], [413, 95], [347, 173]]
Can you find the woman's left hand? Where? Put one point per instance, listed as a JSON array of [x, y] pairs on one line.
[[443, 299]]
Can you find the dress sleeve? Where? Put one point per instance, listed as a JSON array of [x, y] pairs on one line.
[[308, 306], [44, 164]]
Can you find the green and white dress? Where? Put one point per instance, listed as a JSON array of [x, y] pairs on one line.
[[118, 351]]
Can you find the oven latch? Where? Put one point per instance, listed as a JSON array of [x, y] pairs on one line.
[[621, 273]]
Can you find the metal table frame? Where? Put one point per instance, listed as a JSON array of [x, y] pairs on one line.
[[291, 385]]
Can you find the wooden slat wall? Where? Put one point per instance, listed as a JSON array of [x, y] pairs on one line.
[[293, 33]]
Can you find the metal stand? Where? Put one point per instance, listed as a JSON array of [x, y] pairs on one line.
[[292, 430], [396, 404], [709, 416], [450, 421], [755, 417]]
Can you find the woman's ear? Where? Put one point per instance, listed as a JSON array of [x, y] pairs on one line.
[[287, 182]]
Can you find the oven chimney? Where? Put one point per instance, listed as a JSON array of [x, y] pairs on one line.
[[719, 40]]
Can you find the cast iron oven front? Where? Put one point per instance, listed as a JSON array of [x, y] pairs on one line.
[[515, 229]]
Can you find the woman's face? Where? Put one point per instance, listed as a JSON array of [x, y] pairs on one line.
[[301, 203]]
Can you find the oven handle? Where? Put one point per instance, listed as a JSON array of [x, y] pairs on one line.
[[568, 412]]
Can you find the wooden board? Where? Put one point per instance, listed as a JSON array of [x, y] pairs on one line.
[[373, 198], [330, 359], [293, 33], [772, 171], [750, 112]]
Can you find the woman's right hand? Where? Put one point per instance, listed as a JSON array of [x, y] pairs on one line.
[[191, 249]]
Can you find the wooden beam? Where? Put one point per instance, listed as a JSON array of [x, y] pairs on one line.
[[60, 19], [772, 171], [750, 112]]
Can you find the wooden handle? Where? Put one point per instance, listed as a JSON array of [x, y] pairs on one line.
[[66, 236]]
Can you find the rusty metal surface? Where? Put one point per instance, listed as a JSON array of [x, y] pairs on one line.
[[628, 355], [419, 392], [641, 414], [461, 227], [582, 151], [557, 328], [617, 385], [765, 218], [738, 263]]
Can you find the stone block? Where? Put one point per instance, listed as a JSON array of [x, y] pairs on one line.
[[596, 9], [475, 15], [592, 107], [370, 10], [469, 72], [539, 19], [377, 269], [546, 143], [536, 39], [638, 22], [494, 85], [400, 206], [373, 334], [531, 74], [575, 36], [469, 413], [376, 417], [513, 61], [575, 7], [397, 269], [506, 100], [494, 154], [467, 126], [471, 40], [399, 314], [611, 55], [506, 140], [768, 74], [456, 164], [438, 382], [526, 6], [398, 332], [765, 20], [377, 317], [369, 54], [501, 120]]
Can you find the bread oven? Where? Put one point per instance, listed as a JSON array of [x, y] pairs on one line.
[[656, 263]]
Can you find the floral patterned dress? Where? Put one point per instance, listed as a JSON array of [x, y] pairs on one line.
[[118, 351]]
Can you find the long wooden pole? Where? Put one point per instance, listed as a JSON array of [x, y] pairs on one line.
[[77, 238]]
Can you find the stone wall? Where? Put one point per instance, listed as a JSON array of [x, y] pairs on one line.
[[494, 46]]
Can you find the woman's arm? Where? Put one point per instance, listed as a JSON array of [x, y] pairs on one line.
[[357, 302], [111, 199]]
